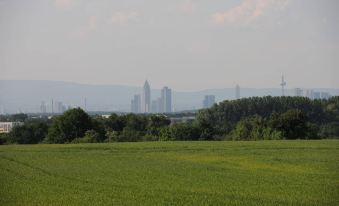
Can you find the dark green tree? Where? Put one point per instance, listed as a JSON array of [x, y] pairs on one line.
[[68, 126], [32, 132]]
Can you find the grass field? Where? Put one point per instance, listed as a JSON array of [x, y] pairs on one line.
[[171, 173]]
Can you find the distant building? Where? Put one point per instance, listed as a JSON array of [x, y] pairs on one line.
[[298, 92], [43, 108], [316, 95], [59, 107], [146, 98], [237, 92], [208, 101], [157, 106], [136, 104], [6, 127], [166, 100], [182, 119], [309, 94]]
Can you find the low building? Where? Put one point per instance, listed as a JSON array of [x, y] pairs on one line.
[[175, 120], [6, 127]]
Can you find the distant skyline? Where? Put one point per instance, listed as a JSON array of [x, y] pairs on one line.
[[185, 44]]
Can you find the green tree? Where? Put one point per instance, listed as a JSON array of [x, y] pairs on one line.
[[68, 126], [293, 124]]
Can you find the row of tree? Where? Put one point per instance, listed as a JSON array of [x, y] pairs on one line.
[[245, 119]]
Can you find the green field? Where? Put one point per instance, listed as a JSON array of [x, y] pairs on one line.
[[171, 173]]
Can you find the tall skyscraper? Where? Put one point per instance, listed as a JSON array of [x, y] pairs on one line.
[[136, 104], [166, 100], [208, 101], [237, 92], [146, 98]]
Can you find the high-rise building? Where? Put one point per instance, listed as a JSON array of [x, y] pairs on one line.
[[146, 98], [237, 92], [136, 104], [208, 101], [298, 92], [166, 100], [43, 107]]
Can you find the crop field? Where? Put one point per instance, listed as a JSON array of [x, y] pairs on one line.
[[171, 173]]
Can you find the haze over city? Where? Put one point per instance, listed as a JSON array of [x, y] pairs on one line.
[[186, 45]]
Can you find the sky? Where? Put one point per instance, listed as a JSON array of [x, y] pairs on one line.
[[187, 45]]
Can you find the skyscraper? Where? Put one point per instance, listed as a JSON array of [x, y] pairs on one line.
[[237, 92], [208, 101], [43, 107], [146, 98], [136, 104], [166, 100]]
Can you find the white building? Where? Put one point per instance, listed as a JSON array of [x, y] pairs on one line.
[[146, 98], [6, 127]]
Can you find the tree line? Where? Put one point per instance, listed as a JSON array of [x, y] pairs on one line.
[[256, 118]]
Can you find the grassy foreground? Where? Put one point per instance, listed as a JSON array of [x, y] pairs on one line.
[[171, 173]]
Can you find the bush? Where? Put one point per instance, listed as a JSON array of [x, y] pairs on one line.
[[130, 136], [112, 136]]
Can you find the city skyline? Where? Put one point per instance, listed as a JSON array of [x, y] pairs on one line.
[[143, 103], [26, 96]]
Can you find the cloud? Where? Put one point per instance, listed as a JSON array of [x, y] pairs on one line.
[[188, 7], [248, 11], [64, 4], [123, 17]]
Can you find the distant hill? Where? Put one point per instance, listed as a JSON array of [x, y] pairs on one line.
[[27, 95]]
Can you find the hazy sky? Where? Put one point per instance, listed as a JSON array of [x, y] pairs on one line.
[[185, 44]]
